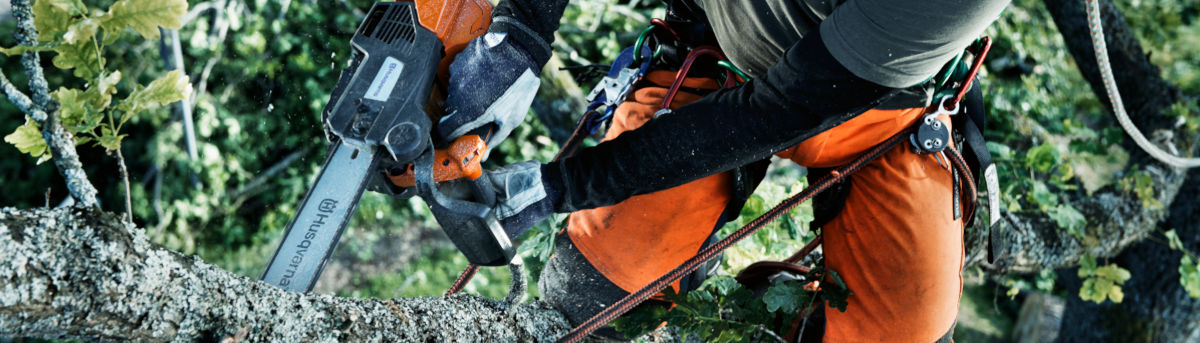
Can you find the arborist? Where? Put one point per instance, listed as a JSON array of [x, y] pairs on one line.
[[830, 79]]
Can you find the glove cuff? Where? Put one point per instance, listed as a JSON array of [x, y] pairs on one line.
[[528, 41]]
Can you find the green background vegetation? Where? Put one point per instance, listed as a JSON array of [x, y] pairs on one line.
[[259, 87]]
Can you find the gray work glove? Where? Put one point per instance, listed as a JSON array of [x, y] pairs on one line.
[[522, 199], [492, 84], [518, 197]]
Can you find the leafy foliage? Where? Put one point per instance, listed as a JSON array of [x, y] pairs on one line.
[[144, 16], [73, 33], [28, 139], [1103, 282], [1189, 265]]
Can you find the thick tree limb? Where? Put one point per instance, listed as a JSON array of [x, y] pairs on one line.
[[78, 273]]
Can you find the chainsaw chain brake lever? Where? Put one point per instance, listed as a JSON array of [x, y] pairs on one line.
[[470, 224]]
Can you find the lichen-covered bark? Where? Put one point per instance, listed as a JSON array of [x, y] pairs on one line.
[[1115, 221], [78, 273]]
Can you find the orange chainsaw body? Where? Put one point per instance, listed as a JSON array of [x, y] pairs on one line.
[[455, 22]]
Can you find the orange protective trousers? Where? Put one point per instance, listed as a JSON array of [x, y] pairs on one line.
[[896, 243]]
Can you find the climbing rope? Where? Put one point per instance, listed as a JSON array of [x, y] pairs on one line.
[[1110, 85]]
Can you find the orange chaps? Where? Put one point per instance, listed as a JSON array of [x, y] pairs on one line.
[[896, 242]]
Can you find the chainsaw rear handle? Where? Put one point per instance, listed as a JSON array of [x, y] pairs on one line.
[[471, 224]]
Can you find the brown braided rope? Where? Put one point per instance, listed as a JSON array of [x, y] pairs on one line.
[[463, 278]]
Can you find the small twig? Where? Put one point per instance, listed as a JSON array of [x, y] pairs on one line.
[[20, 99], [125, 176], [516, 292], [764, 329]]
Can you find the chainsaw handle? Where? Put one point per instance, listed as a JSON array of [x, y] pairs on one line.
[[459, 160]]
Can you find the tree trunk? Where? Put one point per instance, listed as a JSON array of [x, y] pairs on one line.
[[78, 273], [1156, 308]]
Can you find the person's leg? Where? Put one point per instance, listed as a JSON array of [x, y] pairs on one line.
[[898, 246], [606, 253]]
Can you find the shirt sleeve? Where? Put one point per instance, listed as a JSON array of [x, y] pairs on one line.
[[803, 94], [902, 43]]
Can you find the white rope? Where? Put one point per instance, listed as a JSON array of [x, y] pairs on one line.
[[1110, 85]]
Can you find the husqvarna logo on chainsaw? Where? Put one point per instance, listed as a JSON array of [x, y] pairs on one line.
[[385, 80], [327, 205]]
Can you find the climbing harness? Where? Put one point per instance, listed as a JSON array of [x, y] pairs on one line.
[[1114, 96]]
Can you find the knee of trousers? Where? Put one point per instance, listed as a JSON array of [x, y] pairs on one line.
[[573, 286]]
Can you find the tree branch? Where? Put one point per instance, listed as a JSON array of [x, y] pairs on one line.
[[81, 273], [27, 35], [42, 109]]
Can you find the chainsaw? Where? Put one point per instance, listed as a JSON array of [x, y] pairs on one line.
[[379, 122]]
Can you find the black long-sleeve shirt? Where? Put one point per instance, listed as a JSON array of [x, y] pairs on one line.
[[863, 52]]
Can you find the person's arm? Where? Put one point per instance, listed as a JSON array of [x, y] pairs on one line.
[[822, 81]]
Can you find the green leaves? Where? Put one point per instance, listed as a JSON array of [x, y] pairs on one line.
[[144, 16], [83, 57], [28, 139], [784, 296], [1096, 170], [1189, 275], [1043, 158], [167, 89], [1101, 283], [53, 18], [1173, 241], [835, 292], [81, 31], [66, 27], [1189, 265], [1069, 218], [74, 111]]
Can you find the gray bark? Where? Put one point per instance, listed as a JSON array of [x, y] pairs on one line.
[[81, 273]]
